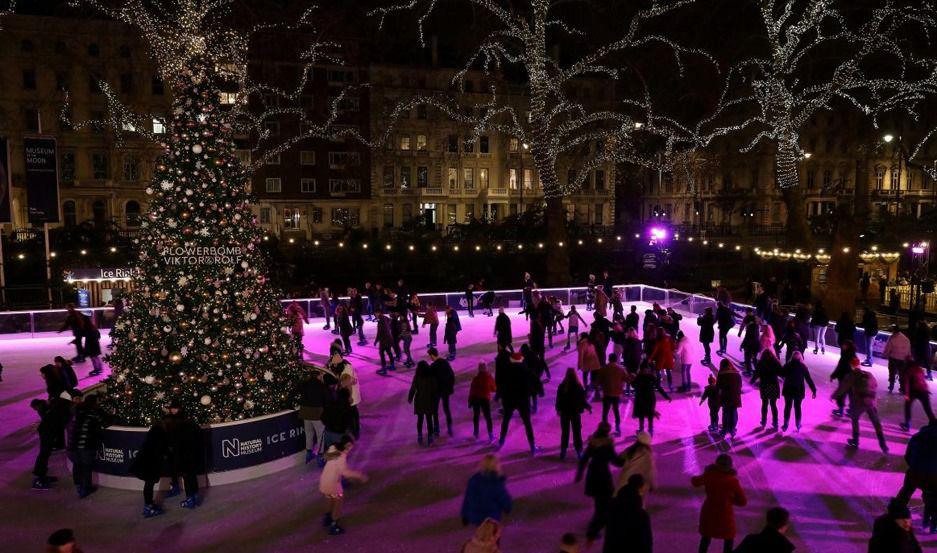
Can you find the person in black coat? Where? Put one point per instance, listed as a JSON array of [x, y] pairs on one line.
[[893, 532], [725, 320], [470, 299], [537, 367], [920, 346], [796, 376], [771, 539], [845, 329], [869, 332], [632, 352], [629, 526], [767, 375], [85, 437], [313, 392], [424, 396], [792, 340], [445, 386], [847, 352], [751, 344], [503, 329], [571, 401], [595, 461], [707, 333], [646, 384], [513, 383], [47, 434]]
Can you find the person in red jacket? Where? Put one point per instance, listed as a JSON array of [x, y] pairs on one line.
[[479, 399], [723, 494], [915, 386], [662, 356]]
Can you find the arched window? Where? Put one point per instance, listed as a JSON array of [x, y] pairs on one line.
[[99, 213], [132, 213], [69, 213]]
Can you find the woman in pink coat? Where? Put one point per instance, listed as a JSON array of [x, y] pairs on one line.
[[723, 494], [588, 360]]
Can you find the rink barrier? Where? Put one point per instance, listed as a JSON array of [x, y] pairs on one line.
[[30, 323]]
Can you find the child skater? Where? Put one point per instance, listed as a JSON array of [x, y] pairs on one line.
[[330, 482], [711, 396]]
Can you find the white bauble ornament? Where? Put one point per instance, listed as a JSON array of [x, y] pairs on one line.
[[248, 404], [197, 149], [205, 400], [180, 307], [149, 379], [268, 375]]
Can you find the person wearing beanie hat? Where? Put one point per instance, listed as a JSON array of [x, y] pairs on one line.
[[860, 386], [638, 458], [514, 389], [723, 493], [62, 541], [893, 531]]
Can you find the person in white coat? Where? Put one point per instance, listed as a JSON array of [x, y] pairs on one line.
[[683, 360], [330, 482], [638, 459]]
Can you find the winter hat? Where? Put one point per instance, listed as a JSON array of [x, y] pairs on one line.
[[62, 537], [723, 460], [644, 438]]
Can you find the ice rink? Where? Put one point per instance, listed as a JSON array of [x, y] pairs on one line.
[[412, 500]]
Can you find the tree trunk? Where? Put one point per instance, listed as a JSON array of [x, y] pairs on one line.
[[797, 231], [558, 273], [842, 277]]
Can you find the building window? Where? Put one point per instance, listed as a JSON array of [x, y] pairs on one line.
[[131, 169], [407, 212], [339, 160], [422, 177], [453, 178], [483, 144], [243, 156], [895, 178], [31, 120], [94, 50], [272, 128], [512, 179], [513, 145], [421, 142], [307, 186], [528, 179], [468, 178], [811, 178], [291, 218], [158, 126], [307, 157], [483, 178], [228, 98], [344, 186], [345, 217], [468, 146], [452, 144], [469, 213], [265, 216], [388, 215], [69, 214], [272, 160], [389, 176], [99, 166], [29, 79], [404, 177], [317, 215], [67, 167], [157, 88], [404, 142], [273, 185], [827, 178], [600, 179], [879, 178], [126, 83], [132, 213], [599, 214]]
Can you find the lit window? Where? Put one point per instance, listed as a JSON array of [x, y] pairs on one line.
[[158, 126], [308, 186], [344, 186], [513, 144], [228, 98], [421, 142], [453, 178], [512, 179], [265, 215], [273, 185], [468, 177], [244, 156], [483, 178], [404, 142], [307, 157], [528, 179]]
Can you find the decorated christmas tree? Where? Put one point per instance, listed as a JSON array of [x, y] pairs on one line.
[[203, 324]]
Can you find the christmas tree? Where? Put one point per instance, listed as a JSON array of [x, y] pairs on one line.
[[203, 325]]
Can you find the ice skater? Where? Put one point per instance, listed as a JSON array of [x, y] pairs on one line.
[[330, 482]]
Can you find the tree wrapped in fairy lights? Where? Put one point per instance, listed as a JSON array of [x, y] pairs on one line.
[[556, 127], [203, 324]]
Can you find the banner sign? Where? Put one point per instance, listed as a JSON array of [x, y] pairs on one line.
[[100, 273], [202, 255], [42, 180], [6, 182], [225, 447]]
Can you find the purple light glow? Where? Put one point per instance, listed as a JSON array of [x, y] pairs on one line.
[[658, 233], [917, 249]]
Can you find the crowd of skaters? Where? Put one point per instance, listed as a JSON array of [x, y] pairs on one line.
[[640, 367]]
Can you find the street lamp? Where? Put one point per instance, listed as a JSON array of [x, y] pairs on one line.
[[888, 138], [808, 155]]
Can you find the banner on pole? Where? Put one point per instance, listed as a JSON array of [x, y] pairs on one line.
[[6, 182], [42, 180]]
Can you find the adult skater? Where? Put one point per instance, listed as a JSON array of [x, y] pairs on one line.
[[684, 361], [613, 377], [707, 333], [588, 362], [897, 351], [819, 322], [599, 454], [479, 398], [638, 458], [85, 438], [313, 392], [629, 526], [503, 329], [860, 386], [646, 384], [662, 357], [915, 383], [729, 384], [590, 293], [431, 318], [893, 532], [571, 401], [325, 303], [445, 383], [869, 332], [336, 471], [845, 329], [424, 396], [920, 346], [573, 319], [384, 340], [796, 379], [76, 321], [767, 376], [47, 430], [751, 343], [451, 333], [296, 317], [725, 320], [723, 493], [847, 358], [921, 457], [771, 539], [514, 389], [486, 495]]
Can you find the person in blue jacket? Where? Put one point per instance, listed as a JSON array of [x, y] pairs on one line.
[[486, 495]]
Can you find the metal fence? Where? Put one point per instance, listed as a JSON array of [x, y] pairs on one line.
[[50, 320]]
